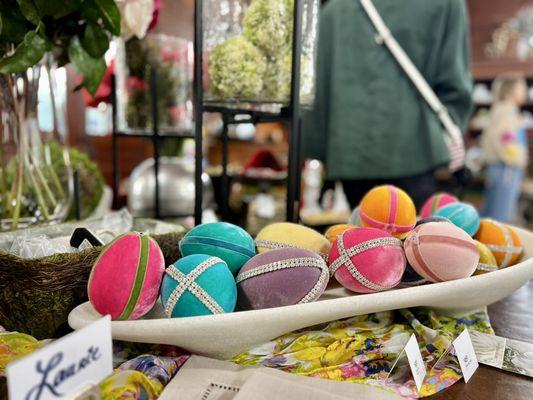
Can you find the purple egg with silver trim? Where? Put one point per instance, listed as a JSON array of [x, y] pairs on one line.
[[281, 277]]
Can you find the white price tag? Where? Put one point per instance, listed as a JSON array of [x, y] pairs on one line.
[[416, 362], [466, 354], [64, 366]]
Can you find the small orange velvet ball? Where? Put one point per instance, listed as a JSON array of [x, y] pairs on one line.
[[390, 209], [502, 240]]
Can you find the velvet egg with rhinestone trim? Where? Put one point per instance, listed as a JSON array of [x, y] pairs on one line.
[[198, 284], [281, 277], [367, 260]]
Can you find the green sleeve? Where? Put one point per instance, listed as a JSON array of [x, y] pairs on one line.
[[315, 121], [453, 82]]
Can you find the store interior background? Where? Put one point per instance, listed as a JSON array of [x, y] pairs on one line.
[[176, 18]]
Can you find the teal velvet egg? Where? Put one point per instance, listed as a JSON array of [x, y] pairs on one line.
[[198, 284], [220, 239], [463, 215]]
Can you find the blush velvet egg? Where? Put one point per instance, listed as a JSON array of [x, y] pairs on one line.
[[281, 277], [126, 278], [367, 260], [441, 252]]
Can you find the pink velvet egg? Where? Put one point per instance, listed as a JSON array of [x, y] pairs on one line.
[[435, 202], [126, 278], [281, 277], [367, 260], [441, 252]]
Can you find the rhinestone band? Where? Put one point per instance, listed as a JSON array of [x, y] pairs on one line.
[[270, 244], [486, 267], [347, 254], [292, 263], [188, 282]]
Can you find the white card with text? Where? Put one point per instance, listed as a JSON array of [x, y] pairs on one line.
[[464, 349], [81, 358], [416, 362]]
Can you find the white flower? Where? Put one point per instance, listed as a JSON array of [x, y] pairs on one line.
[[135, 17]]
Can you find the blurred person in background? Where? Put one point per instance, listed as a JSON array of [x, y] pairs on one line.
[[369, 124], [505, 148]]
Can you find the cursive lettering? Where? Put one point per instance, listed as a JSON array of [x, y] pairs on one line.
[[53, 376]]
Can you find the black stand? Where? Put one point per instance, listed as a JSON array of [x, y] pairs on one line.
[[289, 115], [154, 136]]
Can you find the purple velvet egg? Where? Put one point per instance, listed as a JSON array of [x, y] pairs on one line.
[[281, 277]]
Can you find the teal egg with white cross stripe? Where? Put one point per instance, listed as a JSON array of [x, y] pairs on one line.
[[198, 284], [220, 239]]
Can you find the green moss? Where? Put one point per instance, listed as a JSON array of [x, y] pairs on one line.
[[267, 25], [236, 69]]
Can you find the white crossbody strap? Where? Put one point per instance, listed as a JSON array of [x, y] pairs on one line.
[[454, 137]]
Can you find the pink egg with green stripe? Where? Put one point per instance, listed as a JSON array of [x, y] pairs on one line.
[[390, 209], [126, 278], [435, 202], [441, 252]]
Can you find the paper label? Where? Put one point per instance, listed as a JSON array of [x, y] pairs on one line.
[[416, 362], [82, 358], [466, 354]]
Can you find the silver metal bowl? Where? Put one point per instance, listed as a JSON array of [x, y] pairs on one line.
[[176, 188]]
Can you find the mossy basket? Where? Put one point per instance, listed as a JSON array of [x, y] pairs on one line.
[[36, 295]]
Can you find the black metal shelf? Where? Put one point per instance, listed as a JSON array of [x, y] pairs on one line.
[[289, 114]]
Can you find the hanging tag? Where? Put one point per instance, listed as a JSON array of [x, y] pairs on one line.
[[60, 369], [416, 362], [466, 354]]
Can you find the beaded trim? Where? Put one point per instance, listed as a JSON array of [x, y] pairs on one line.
[[507, 250], [347, 254], [292, 263], [188, 282], [270, 244], [486, 267]]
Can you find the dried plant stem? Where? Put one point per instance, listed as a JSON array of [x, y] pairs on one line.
[[38, 193], [41, 179]]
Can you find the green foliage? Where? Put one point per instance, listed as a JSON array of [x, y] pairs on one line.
[[76, 31], [27, 53], [92, 69]]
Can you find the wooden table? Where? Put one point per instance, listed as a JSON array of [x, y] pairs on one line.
[[511, 318]]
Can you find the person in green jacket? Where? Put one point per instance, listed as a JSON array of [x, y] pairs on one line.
[[369, 124]]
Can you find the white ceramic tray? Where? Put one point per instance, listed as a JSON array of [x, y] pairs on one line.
[[224, 335]]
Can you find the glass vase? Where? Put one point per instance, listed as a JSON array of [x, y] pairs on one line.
[[172, 59], [247, 51], [35, 176]]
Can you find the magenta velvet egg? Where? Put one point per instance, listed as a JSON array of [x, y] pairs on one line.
[[435, 202], [126, 278], [367, 260], [281, 277], [441, 252]]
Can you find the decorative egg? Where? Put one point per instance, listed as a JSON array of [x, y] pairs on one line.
[[198, 284], [126, 277], [281, 277], [367, 260], [487, 261], [438, 200], [282, 235], [220, 239], [502, 240], [463, 215], [441, 252], [355, 218], [334, 231], [390, 209]]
